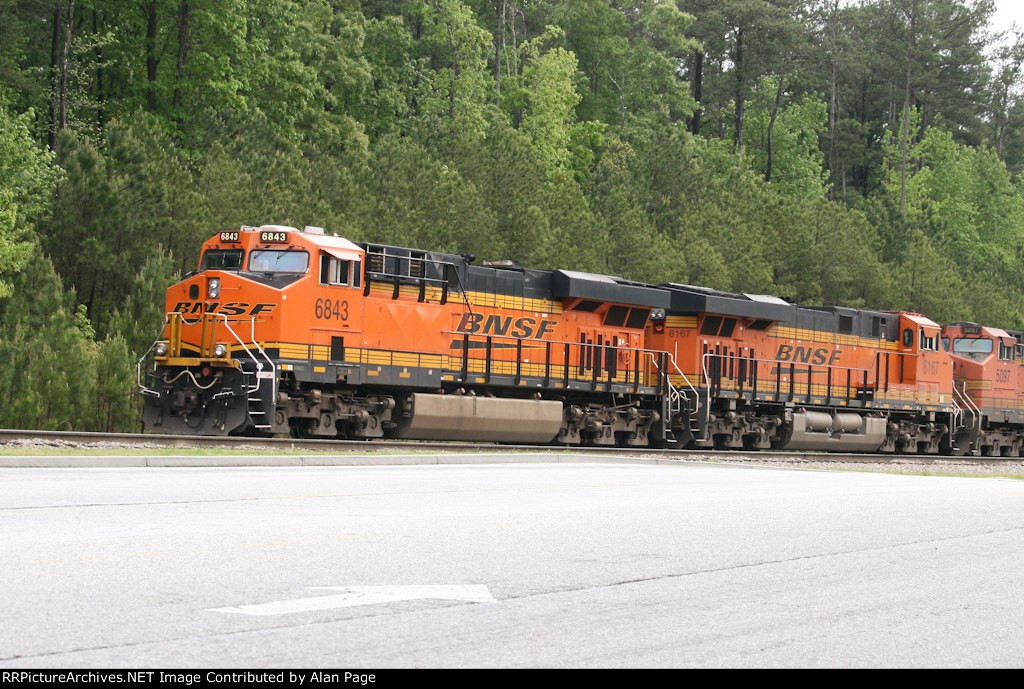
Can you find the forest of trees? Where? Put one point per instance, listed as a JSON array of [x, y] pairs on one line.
[[831, 152]]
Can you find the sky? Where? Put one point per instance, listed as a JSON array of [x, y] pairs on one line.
[[1007, 13]]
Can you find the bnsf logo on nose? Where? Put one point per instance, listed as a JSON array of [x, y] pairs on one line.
[[475, 323], [806, 355], [232, 308]]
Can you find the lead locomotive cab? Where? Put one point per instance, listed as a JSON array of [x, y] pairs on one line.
[[216, 366]]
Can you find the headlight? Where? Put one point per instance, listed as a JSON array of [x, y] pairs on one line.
[[658, 314], [213, 288], [220, 351], [160, 349]]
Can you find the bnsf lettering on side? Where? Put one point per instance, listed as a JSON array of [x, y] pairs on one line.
[[231, 308], [479, 324], [808, 355]]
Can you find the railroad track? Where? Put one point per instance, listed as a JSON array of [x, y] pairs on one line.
[[84, 440]]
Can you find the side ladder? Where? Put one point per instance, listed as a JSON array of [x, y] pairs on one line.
[[678, 399]]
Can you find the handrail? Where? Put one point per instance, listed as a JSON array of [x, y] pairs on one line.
[[971, 406], [423, 280], [138, 364], [637, 354], [686, 378], [259, 365], [543, 341], [958, 412], [798, 367], [784, 361], [172, 316], [673, 391]]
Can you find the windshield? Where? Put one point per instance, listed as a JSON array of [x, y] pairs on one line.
[[973, 347], [222, 259], [276, 261]]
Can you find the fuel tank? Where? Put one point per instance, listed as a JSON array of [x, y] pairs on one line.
[[465, 417]]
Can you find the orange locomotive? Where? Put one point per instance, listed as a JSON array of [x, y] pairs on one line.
[[988, 372], [283, 331], [765, 373]]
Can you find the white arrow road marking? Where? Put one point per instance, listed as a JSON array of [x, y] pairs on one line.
[[366, 595]]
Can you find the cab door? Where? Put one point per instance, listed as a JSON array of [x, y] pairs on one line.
[[907, 366], [338, 305], [1004, 379], [934, 370]]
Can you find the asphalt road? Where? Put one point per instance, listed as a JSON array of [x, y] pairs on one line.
[[588, 565]]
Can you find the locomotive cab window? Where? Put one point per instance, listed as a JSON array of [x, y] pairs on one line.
[[977, 348], [222, 259], [334, 271], [277, 261], [1006, 353], [929, 343], [908, 338]]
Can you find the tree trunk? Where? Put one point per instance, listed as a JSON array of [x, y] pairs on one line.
[[833, 101], [740, 95], [152, 62], [698, 89], [499, 46], [860, 172], [65, 63], [833, 110], [771, 128], [184, 39], [55, 76], [1002, 122], [100, 58], [907, 95]]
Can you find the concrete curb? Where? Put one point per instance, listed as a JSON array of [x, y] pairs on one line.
[[225, 461]]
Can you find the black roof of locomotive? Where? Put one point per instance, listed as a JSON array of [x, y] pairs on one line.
[[570, 284], [847, 321], [516, 281], [689, 299], [513, 280]]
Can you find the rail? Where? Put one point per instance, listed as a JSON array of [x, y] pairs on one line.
[[115, 443]]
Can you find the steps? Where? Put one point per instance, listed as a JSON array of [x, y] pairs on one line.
[[255, 403]]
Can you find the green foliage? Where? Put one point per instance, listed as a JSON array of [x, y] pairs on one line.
[[550, 98], [115, 379], [863, 154], [139, 322], [929, 281], [453, 89], [418, 201], [797, 164], [117, 207], [27, 178], [47, 355]]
